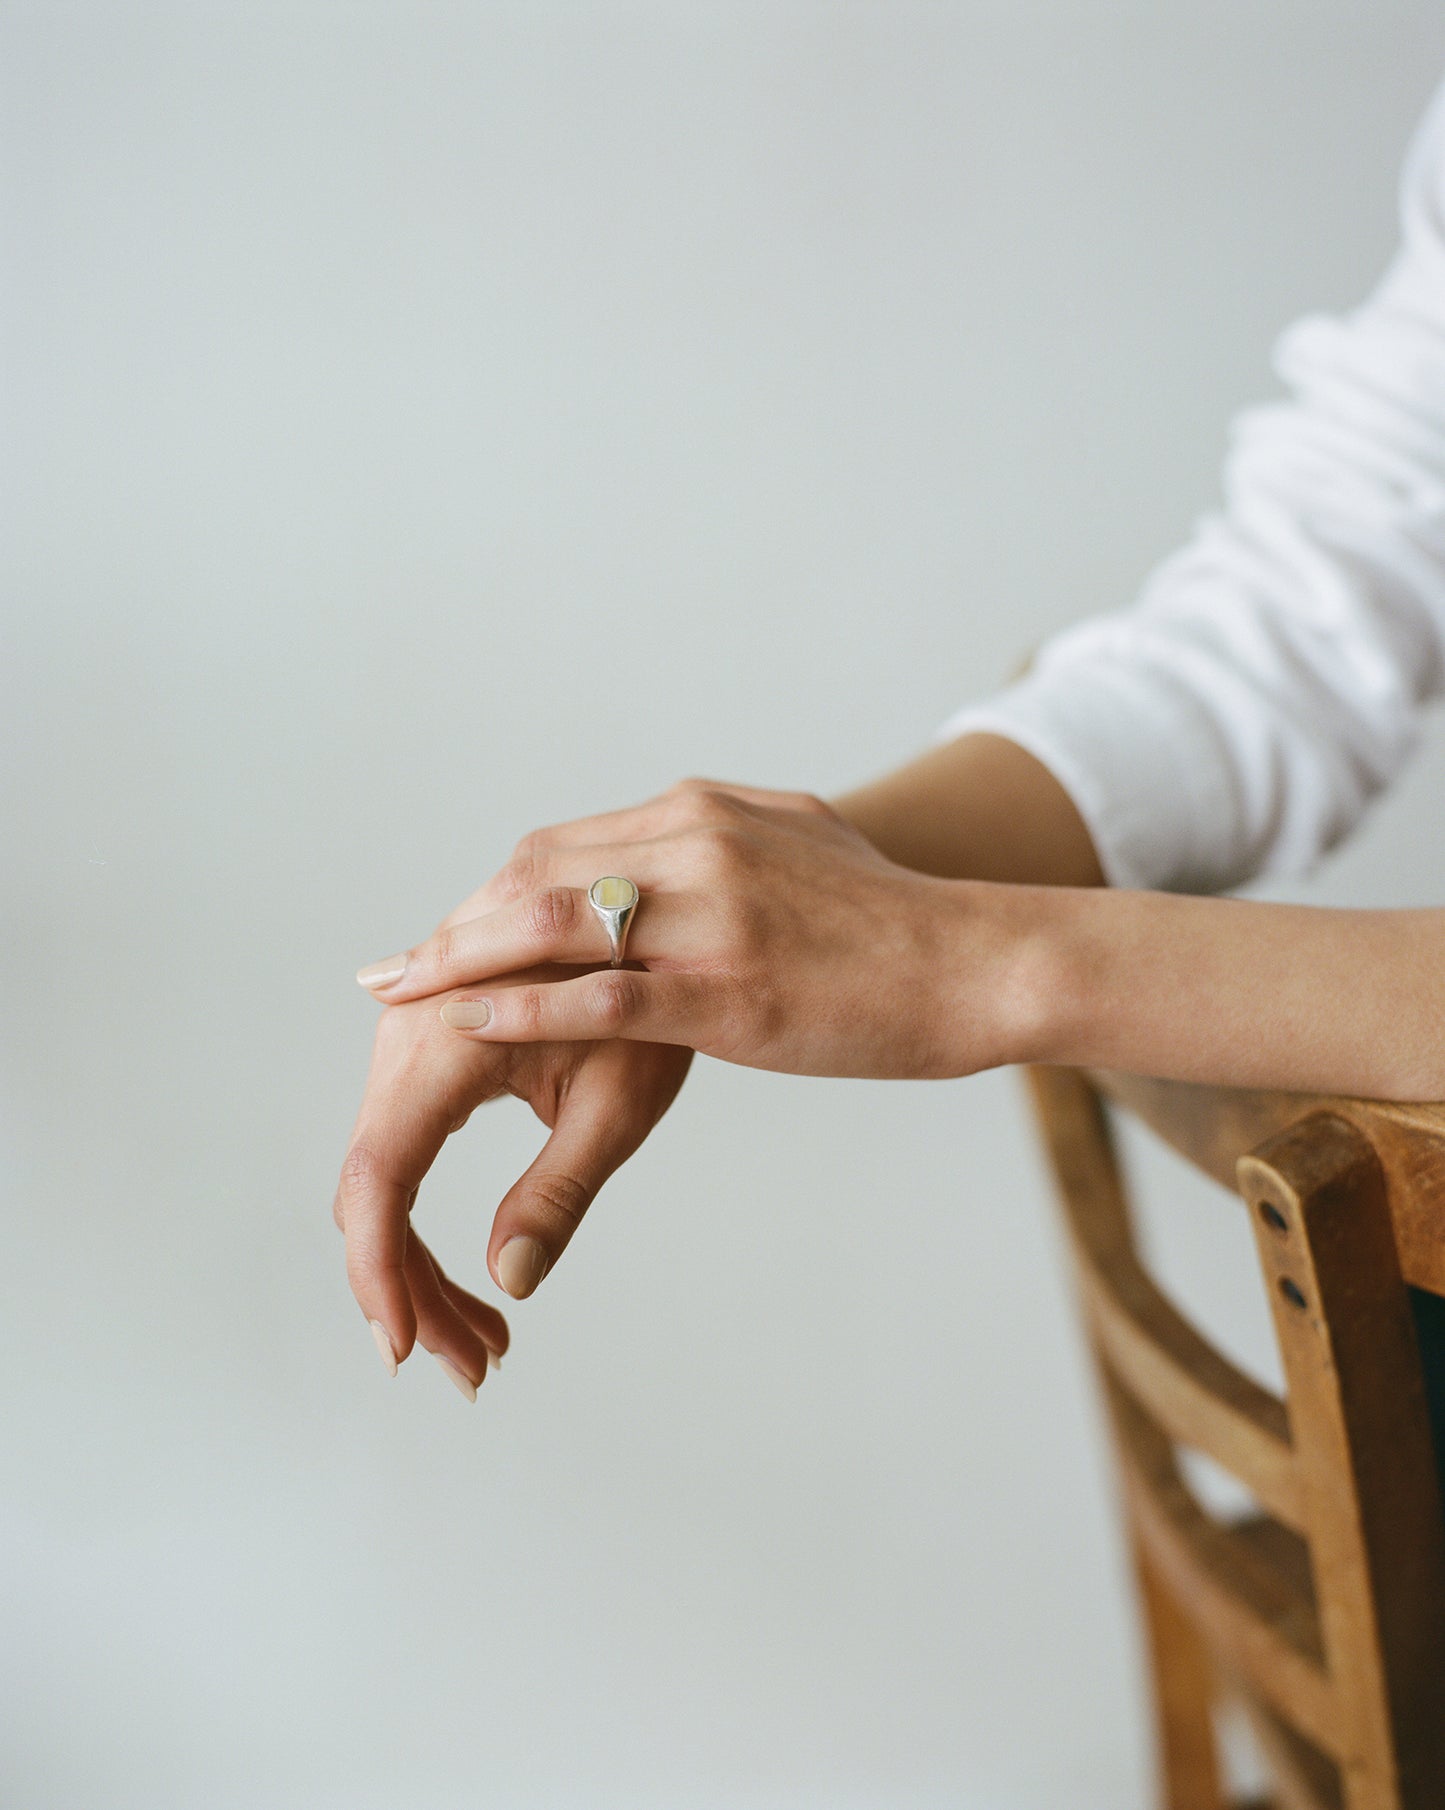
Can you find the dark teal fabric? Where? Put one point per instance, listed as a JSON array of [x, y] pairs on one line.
[[1430, 1330]]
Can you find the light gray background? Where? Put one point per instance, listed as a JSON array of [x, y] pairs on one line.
[[423, 422]]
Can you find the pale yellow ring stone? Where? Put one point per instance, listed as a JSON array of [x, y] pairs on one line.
[[614, 899]]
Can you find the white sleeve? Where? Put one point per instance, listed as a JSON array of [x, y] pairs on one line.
[[1269, 680]]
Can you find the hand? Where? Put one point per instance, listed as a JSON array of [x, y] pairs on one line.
[[770, 932], [600, 1101]]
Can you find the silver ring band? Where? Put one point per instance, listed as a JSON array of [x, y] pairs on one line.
[[614, 900]]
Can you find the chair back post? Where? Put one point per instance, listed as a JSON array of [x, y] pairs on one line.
[[1317, 1195]]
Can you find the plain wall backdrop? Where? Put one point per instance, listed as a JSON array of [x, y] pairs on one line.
[[422, 422]]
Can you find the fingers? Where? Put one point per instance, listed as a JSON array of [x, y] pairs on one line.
[[614, 842], [556, 924], [442, 1328], [484, 1319], [416, 1095], [614, 1002], [602, 1120], [371, 1208]]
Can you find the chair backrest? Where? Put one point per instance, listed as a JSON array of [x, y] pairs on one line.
[[1324, 1612]]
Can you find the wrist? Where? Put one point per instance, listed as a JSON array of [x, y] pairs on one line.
[[1013, 965]]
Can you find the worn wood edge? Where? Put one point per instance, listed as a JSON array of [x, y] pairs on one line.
[[1212, 1127]]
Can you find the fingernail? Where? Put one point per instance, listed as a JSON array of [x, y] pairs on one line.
[[383, 974], [466, 1014], [462, 1381], [521, 1265], [384, 1346], [494, 1361]]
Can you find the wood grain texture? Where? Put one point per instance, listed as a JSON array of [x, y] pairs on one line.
[[1214, 1126], [1325, 1612]]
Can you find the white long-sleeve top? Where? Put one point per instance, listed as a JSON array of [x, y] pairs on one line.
[[1269, 680]]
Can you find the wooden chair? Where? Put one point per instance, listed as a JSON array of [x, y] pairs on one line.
[[1323, 1614]]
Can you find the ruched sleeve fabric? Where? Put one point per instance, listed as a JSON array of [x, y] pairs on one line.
[[1270, 678]]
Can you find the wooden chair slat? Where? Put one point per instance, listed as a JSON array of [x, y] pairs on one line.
[[1304, 1778], [1326, 1613], [1191, 1389], [1280, 1547], [1253, 1616]]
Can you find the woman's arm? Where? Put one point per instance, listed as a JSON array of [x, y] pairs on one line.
[[1219, 991], [1197, 989], [978, 808], [775, 935], [1237, 993]]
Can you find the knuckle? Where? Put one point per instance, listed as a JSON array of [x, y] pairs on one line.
[[617, 997], [367, 1170], [530, 845], [549, 914], [562, 1198], [725, 849], [441, 953], [705, 801], [519, 876], [812, 803], [361, 1167], [393, 1029], [528, 1005], [714, 805]]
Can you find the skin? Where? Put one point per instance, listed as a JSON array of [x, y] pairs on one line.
[[945, 919], [979, 805]]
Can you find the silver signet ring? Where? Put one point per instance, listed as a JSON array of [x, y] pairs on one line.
[[614, 900]]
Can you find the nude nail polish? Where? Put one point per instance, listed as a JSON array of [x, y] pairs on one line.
[[521, 1265], [383, 974], [462, 1381], [384, 1346], [466, 1014]]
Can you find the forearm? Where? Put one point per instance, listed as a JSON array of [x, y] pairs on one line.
[[1224, 991], [1231, 992], [977, 808]]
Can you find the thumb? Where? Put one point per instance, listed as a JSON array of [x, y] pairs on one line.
[[598, 1127]]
